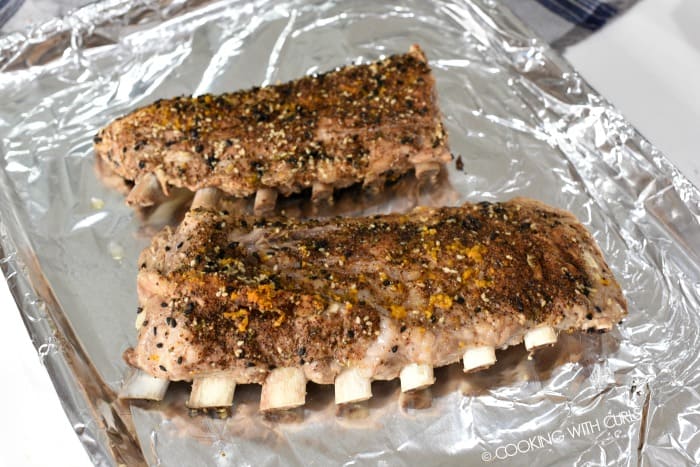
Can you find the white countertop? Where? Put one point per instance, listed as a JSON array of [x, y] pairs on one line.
[[647, 63]]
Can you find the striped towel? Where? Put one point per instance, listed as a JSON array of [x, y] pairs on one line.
[[7, 9], [588, 14], [565, 22]]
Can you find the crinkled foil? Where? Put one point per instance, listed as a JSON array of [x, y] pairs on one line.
[[522, 122]]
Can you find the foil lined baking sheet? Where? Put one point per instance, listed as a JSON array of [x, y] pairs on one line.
[[522, 122]]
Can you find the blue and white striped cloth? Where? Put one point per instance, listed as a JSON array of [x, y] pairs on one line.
[[564, 22], [7, 9], [589, 14]]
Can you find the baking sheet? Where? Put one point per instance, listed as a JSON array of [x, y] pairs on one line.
[[524, 124]]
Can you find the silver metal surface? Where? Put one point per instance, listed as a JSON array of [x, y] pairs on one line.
[[523, 123]]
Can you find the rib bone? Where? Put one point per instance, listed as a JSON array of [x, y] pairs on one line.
[[478, 358], [265, 200], [352, 386], [427, 171], [146, 192], [212, 392], [321, 191], [416, 376], [284, 388], [141, 385], [206, 198], [540, 337]]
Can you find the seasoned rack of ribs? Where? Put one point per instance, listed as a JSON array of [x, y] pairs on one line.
[[358, 124], [228, 300]]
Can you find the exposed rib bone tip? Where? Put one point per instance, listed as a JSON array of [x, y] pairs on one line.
[[265, 200], [478, 358], [540, 337], [427, 171], [146, 192], [416, 376], [321, 191], [206, 198], [416, 51], [212, 392], [141, 385], [352, 386], [284, 388], [603, 325]]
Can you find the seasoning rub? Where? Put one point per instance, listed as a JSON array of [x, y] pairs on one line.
[[358, 124], [232, 300]]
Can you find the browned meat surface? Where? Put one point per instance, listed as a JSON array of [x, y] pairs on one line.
[[242, 296], [358, 124]]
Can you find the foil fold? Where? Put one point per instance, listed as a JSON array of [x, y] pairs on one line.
[[519, 118]]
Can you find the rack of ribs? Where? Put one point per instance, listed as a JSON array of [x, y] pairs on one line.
[[358, 124], [227, 300]]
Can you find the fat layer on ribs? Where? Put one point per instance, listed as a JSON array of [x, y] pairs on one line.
[[371, 298], [357, 124]]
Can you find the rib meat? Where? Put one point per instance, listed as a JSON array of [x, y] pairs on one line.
[[382, 295], [357, 124]]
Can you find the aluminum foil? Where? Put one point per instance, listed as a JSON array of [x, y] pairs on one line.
[[521, 121]]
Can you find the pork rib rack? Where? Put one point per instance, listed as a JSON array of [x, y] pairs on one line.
[[228, 300], [357, 124]]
